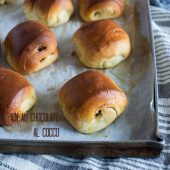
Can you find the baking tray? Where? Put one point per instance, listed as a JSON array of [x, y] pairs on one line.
[[135, 133]]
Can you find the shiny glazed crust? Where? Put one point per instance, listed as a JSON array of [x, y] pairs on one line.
[[17, 96], [30, 46], [91, 101], [101, 44]]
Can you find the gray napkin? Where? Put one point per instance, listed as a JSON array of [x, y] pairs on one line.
[[161, 3]]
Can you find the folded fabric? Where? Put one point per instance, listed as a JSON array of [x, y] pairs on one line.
[[161, 3]]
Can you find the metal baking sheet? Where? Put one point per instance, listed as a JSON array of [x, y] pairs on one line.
[[135, 133]]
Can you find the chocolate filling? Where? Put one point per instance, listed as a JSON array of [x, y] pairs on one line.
[[41, 48], [99, 113], [42, 59]]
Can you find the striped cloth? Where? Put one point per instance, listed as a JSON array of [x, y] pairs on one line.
[[161, 28], [161, 3]]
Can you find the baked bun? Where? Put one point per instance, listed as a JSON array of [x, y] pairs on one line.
[[30, 47], [11, 1], [91, 10], [102, 44], [91, 101], [50, 12], [17, 96]]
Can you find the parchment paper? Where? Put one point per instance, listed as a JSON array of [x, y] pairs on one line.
[[134, 76]]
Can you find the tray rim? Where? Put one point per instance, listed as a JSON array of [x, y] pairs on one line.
[[154, 147], [110, 149]]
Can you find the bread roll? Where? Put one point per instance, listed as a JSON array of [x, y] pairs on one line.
[[102, 44], [50, 12], [91, 10], [91, 101], [30, 47], [17, 96]]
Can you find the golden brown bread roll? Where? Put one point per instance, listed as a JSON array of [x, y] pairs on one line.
[[91, 101], [102, 44], [50, 12], [17, 96], [91, 10], [30, 47]]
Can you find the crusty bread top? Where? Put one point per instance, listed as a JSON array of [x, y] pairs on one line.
[[15, 91], [27, 44], [24, 34], [100, 33], [89, 92]]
